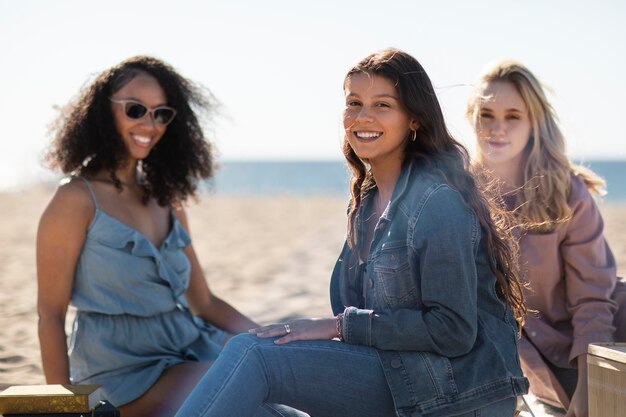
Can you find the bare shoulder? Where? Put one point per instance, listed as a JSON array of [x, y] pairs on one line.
[[72, 200], [181, 215]]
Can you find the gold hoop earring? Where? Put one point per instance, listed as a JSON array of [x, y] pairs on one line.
[[414, 136]]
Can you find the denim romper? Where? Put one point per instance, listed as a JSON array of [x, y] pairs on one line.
[[132, 320]]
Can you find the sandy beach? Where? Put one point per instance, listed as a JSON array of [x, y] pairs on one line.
[[271, 257]]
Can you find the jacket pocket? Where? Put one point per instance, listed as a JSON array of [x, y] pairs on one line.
[[418, 378], [393, 276]]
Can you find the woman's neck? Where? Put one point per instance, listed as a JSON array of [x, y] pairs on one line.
[[510, 175], [126, 175], [386, 178]]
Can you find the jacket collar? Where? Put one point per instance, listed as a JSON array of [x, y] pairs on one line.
[[400, 188]]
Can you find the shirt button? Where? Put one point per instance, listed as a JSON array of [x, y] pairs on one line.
[[396, 363], [370, 283], [180, 307]]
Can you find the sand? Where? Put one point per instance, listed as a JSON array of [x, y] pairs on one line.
[[269, 257]]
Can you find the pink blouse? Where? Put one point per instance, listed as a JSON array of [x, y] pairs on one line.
[[572, 276]]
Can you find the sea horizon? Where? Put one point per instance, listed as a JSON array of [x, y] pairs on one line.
[[322, 177]]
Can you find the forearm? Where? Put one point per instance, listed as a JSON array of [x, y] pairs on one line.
[[52, 340], [579, 406], [599, 330], [226, 317], [590, 272], [582, 372], [409, 330]]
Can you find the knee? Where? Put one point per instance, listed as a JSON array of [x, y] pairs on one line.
[[242, 339], [244, 350], [242, 343]]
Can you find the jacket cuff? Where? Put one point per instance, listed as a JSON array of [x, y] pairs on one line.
[[357, 326], [580, 345]]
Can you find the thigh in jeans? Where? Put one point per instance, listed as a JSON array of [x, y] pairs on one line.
[[327, 378], [504, 408]]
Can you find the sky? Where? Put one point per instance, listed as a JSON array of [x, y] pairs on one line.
[[277, 66]]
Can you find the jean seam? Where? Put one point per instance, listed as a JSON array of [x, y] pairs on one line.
[[204, 409], [274, 411], [265, 368], [295, 344]]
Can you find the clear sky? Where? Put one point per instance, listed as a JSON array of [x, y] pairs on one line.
[[277, 66]]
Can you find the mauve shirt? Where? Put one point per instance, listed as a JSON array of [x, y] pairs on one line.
[[572, 276]]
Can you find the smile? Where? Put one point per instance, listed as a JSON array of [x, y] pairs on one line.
[[496, 144], [143, 140], [368, 135]]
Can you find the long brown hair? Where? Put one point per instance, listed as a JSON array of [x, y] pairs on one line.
[[435, 147]]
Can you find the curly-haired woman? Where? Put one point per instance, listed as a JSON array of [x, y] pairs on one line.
[[114, 242]]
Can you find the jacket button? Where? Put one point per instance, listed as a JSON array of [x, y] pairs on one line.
[[533, 334], [370, 283], [396, 363]]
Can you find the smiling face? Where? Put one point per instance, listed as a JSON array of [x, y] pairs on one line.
[[139, 135], [503, 127], [376, 124]]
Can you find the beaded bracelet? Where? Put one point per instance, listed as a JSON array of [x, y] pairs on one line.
[[339, 326]]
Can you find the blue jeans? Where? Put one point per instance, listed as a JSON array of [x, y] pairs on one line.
[[321, 377]]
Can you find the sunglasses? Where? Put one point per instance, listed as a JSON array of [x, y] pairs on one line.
[[135, 110]]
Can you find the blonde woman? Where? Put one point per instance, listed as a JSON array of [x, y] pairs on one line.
[[571, 272]]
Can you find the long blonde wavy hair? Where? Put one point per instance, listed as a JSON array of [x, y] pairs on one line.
[[542, 201]]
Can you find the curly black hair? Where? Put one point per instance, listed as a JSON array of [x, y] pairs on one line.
[[86, 141]]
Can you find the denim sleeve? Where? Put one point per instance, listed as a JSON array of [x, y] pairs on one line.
[[444, 234]]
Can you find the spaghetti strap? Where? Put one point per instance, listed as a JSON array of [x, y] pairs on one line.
[[93, 195]]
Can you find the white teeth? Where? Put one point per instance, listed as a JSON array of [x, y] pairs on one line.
[[367, 135], [142, 139]]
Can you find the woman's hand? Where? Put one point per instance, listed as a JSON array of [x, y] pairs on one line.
[[579, 406], [302, 329]]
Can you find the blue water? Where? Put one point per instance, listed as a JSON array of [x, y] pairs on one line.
[[331, 178], [293, 178], [614, 173]]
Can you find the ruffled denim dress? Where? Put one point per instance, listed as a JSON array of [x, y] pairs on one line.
[[132, 318]]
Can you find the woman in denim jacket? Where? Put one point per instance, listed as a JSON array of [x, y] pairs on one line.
[[425, 300]]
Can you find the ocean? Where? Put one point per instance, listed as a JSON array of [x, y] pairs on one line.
[[331, 178], [293, 178], [306, 178]]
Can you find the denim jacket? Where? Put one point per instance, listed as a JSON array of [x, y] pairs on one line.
[[426, 300]]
